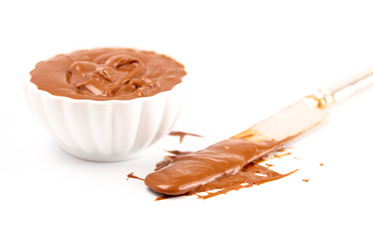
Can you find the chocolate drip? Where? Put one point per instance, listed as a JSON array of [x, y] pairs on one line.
[[132, 175], [182, 135]]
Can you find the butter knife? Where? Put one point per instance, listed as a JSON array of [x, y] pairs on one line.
[[304, 114]]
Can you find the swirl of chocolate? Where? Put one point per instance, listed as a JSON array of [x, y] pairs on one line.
[[107, 73], [108, 79]]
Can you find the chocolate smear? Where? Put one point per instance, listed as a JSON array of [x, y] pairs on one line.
[[219, 165], [250, 175], [131, 175], [182, 135]]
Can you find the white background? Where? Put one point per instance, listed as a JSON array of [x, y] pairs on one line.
[[245, 60]]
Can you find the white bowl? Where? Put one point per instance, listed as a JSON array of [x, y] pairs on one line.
[[106, 131]]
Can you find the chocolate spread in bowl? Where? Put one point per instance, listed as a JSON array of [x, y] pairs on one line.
[[107, 74]]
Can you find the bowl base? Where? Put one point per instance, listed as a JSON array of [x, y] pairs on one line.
[[97, 157]]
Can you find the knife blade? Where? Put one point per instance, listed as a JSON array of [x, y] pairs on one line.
[[304, 114], [186, 173]]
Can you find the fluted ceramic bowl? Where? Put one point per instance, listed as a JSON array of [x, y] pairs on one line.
[[106, 131]]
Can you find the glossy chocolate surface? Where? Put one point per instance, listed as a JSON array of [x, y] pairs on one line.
[[189, 171], [107, 74]]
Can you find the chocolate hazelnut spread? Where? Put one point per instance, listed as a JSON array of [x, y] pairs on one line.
[[251, 174], [182, 135], [193, 171], [131, 175], [107, 74]]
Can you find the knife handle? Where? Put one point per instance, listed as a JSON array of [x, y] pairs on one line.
[[340, 91], [326, 96]]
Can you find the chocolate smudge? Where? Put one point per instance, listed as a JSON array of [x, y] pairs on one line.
[[131, 175], [182, 135]]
